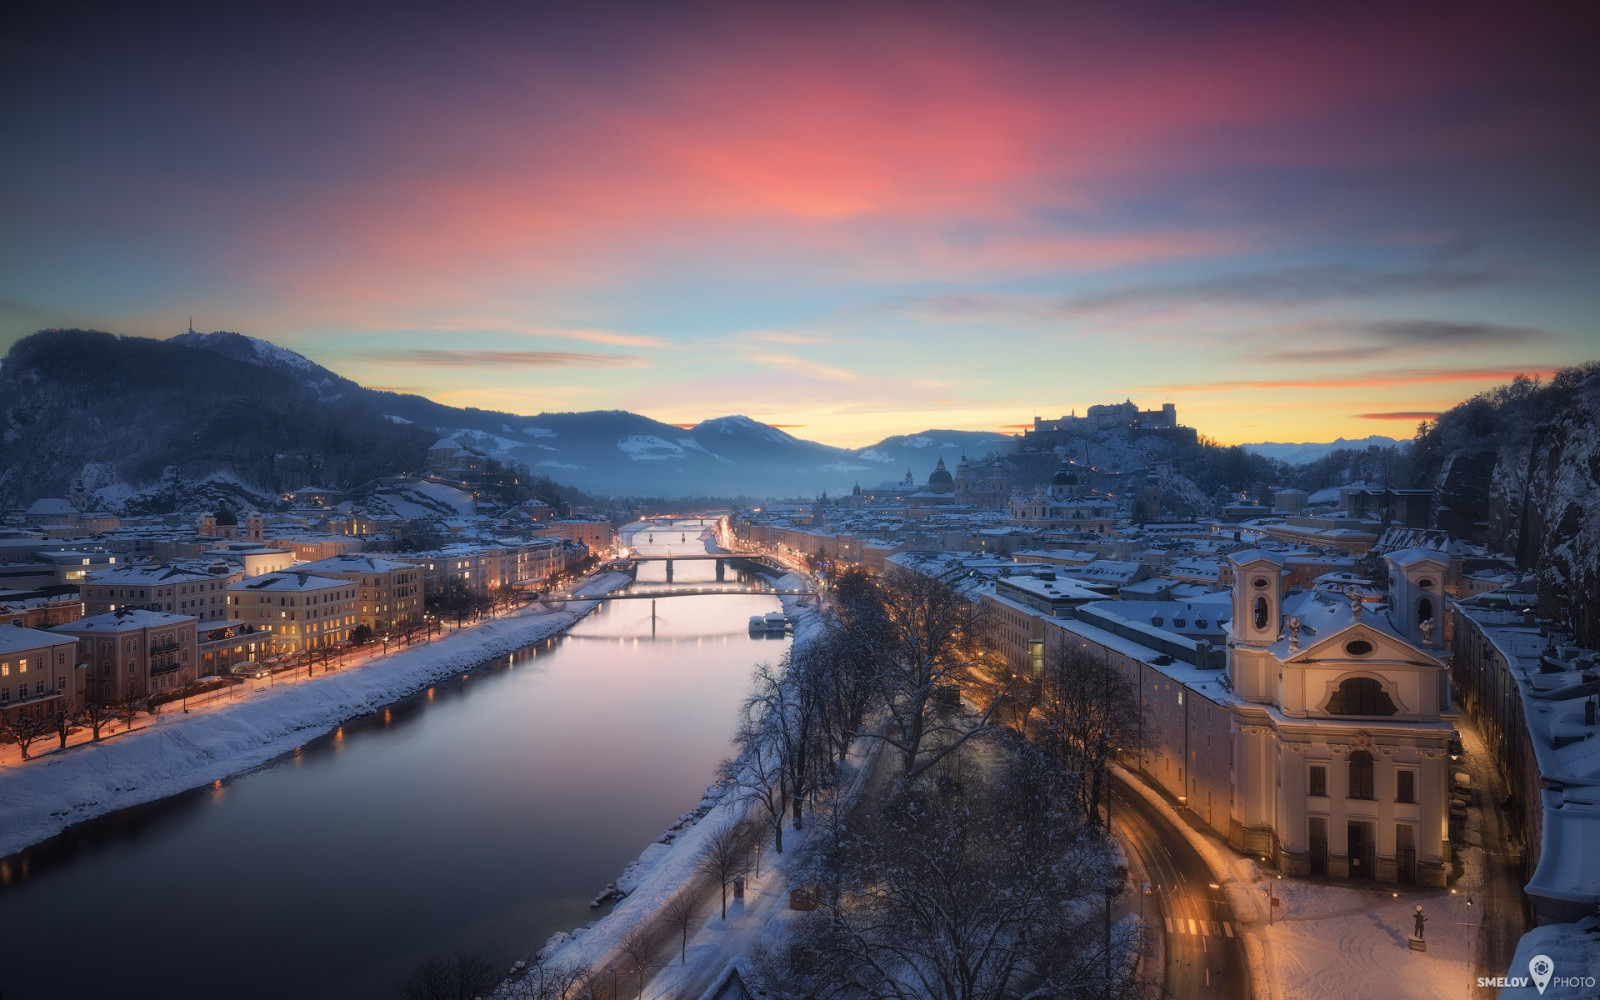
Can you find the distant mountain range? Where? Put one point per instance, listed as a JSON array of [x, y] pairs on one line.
[[102, 415], [1305, 453]]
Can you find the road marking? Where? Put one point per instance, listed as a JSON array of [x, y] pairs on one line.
[[1227, 928], [1214, 930], [1169, 925], [1192, 929]]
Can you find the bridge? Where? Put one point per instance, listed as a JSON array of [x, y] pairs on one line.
[[761, 560], [650, 595]]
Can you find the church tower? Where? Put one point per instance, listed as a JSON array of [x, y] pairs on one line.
[[1416, 596], [1257, 614]]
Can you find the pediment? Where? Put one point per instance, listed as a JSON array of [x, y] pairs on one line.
[[1344, 647]]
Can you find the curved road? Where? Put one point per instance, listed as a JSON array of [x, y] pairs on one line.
[[1204, 954]]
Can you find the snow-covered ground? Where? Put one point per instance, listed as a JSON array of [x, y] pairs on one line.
[[1333, 941], [47, 795]]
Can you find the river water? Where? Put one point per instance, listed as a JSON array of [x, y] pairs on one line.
[[482, 815]]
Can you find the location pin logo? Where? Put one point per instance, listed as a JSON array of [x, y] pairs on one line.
[[1541, 968]]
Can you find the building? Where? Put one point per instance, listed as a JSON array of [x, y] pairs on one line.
[[1535, 698], [133, 653], [252, 559], [39, 672], [224, 524], [596, 533], [389, 591], [301, 610], [1318, 740], [1342, 725], [199, 590], [224, 646]]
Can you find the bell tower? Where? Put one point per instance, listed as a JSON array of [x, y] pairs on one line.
[[1416, 595], [1257, 612], [1257, 597]]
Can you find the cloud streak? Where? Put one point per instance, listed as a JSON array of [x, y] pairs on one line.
[[1373, 380], [502, 359], [1282, 288]]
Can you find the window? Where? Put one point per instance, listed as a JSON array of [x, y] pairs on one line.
[[1360, 775], [1361, 696], [1261, 613], [1358, 647], [1318, 780], [1405, 785]]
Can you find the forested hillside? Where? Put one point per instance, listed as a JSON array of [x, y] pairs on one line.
[[83, 409]]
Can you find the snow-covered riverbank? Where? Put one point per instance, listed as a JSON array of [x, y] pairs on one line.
[[663, 871], [179, 753]]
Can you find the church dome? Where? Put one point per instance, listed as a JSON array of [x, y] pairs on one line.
[[1064, 477], [941, 481], [225, 516]]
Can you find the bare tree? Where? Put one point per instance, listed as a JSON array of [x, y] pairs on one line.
[[847, 675], [552, 981], [63, 720], [958, 888], [639, 946], [722, 858], [24, 731], [126, 708], [1085, 713], [96, 715], [464, 976], [758, 769], [926, 639], [680, 913]]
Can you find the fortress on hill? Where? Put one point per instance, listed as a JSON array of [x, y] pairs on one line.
[[1126, 415]]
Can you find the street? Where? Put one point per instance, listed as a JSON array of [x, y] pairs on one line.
[[1204, 955]]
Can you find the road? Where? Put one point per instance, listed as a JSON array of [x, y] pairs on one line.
[[1204, 954]]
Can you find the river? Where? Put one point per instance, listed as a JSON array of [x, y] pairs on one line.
[[481, 815]]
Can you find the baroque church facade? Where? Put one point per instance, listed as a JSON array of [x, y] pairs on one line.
[[1342, 724]]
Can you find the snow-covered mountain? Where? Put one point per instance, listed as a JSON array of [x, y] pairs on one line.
[[1302, 453], [80, 423]]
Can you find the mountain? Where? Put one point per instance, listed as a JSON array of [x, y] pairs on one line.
[[1517, 469], [127, 421], [146, 420], [618, 453], [1305, 453]]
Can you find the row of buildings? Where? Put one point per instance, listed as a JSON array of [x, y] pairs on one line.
[[102, 618]]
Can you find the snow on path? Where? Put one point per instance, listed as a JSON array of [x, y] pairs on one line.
[[48, 795]]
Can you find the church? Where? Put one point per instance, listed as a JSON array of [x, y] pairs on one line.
[[1342, 724]]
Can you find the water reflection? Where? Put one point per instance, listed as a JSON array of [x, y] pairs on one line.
[[481, 815]]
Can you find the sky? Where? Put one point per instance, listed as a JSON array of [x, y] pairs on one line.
[[1294, 221]]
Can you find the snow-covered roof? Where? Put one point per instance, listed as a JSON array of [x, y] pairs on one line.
[[289, 582], [15, 639], [353, 563], [52, 506], [147, 575], [124, 620]]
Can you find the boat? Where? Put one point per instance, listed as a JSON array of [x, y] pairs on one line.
[[773, 622]]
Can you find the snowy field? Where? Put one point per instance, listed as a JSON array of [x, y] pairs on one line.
[[178, 753]]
